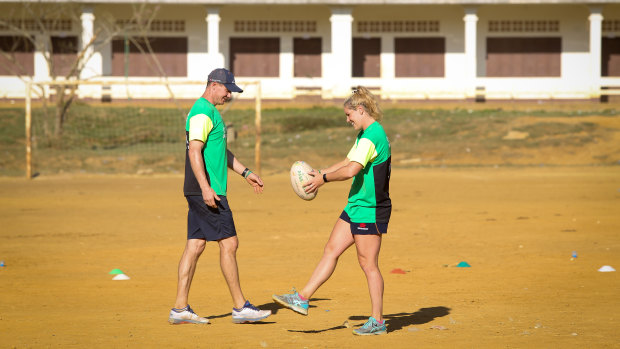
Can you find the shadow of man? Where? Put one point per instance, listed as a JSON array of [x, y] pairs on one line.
[[397, 321]]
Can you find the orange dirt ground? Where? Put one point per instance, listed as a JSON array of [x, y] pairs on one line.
[[516, 227]]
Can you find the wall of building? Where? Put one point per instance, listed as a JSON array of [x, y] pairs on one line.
[[573, 31], [282, 87], [574, 82]]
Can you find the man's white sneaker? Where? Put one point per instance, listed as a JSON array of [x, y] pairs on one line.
[[185, 316], [249, 313]]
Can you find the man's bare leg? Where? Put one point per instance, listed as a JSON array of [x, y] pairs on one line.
[[187, 267]]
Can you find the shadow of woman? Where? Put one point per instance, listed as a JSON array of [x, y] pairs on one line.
[[397, 321], [394, 322]]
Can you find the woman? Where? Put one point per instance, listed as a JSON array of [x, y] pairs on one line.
[[365, 217]]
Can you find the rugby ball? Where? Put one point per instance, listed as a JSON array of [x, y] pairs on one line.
[[299, 177]]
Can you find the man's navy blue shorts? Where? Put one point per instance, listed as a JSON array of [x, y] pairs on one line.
[[208, 223], [364, 228]]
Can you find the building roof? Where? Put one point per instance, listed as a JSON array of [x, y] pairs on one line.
[[328, 2]]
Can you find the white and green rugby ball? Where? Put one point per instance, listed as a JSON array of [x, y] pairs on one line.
[[299, 177]]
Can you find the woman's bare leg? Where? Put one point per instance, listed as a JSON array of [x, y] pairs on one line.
[[368, 247], [339, 240]]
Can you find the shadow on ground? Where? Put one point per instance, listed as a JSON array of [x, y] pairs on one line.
[[394, 322], [398, 321], [274, 307]]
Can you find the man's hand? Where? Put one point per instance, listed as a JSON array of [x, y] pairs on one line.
[[254, 180], [209, 197]]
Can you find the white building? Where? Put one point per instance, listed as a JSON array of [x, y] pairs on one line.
[[403, 49]]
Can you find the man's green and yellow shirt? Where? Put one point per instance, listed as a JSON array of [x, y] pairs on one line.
[[204, 123]]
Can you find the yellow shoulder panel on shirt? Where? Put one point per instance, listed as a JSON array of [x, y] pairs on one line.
[[363, 152], [199, 127]]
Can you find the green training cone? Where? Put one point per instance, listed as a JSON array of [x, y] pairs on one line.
[[463, 265], [116, 271]]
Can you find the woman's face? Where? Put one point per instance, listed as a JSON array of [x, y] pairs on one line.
[[354, 116]]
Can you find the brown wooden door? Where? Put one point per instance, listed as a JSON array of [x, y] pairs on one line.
[[420, 57], [169, 52], [610, 57], [524, 57], [307, 57], [366, 57], [258, 57], [64, 54], [20, 52]]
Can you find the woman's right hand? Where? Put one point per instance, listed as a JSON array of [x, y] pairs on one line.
[[316, 180]]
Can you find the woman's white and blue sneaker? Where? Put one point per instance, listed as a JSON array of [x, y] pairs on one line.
[[185, 316], [249, 313], [371, 327], [293, 302]]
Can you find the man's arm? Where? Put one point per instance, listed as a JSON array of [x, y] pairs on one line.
[[252, 178], [198, 167]]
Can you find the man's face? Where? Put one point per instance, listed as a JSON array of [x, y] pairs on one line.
[[221, 93]]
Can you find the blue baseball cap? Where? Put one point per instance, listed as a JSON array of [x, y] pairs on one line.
[[226, 78]]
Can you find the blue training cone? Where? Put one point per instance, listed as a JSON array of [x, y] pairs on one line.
[[463, 264]]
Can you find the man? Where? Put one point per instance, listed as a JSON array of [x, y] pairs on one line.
[[209, 217]]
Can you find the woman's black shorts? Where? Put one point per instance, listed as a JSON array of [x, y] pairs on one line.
[[364, 228]]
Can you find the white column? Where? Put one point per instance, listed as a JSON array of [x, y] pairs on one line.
[[215, 57], [340, 70], [92, 60], [41, 68], [471, 62], [287, 65], [596, 21], [388, 60]]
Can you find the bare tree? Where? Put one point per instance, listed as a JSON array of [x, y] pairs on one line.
[[137, 33], [50, 29]]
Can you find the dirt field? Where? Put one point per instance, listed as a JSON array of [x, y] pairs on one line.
[[516, 227]]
